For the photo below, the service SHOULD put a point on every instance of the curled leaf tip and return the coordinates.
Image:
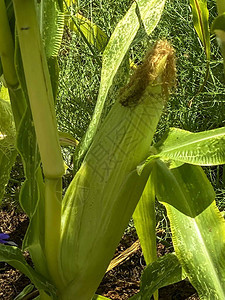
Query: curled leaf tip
(158, 68)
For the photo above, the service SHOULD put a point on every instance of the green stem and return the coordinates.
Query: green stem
(53, 196)
(39, 88)
(18, 104)
(42, 107)
(7, 48)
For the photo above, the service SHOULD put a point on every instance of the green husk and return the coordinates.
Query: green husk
(103, 195)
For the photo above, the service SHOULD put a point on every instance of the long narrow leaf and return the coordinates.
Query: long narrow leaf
(27, 290)
(7, 160)
(162, 272)
(99, 297)
(177, 187)
(200, 19)
(1, 69)
(218, 27)
(92, 33)
(145, 223)
(198, 236)
(51, 21)
(205, 148)
(201, 24)
(14, 257)
(8, 152)
(199, 245)
(31, 195)
(144, 220)
(202, 148)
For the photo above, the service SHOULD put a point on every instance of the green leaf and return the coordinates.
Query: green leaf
(1, 70)
(32, 193)
(4, 94)
(198, 236)
(113, 56)
(27, 146)
(144, 220)
(185, 188)
(28, 289)
(7, 160)
(204, 148)
(201, 23)
(7, 125)
(199, 245)
(14, 257)
(89, 30)
(162, 272)
(51, 20)
(145, 223)
(8, 152)
(99, 297)
(150, 20)
(66, 139)
(218, 27)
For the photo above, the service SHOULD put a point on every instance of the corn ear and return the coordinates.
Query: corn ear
(102, 196)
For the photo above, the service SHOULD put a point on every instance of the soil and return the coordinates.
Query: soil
(119, 283)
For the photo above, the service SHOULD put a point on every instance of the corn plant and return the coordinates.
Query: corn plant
(71, 238)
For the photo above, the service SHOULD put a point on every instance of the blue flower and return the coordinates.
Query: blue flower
(3, 238)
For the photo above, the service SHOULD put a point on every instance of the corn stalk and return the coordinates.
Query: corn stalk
(41, 101)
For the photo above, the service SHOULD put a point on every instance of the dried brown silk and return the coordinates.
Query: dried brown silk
(150, 72)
